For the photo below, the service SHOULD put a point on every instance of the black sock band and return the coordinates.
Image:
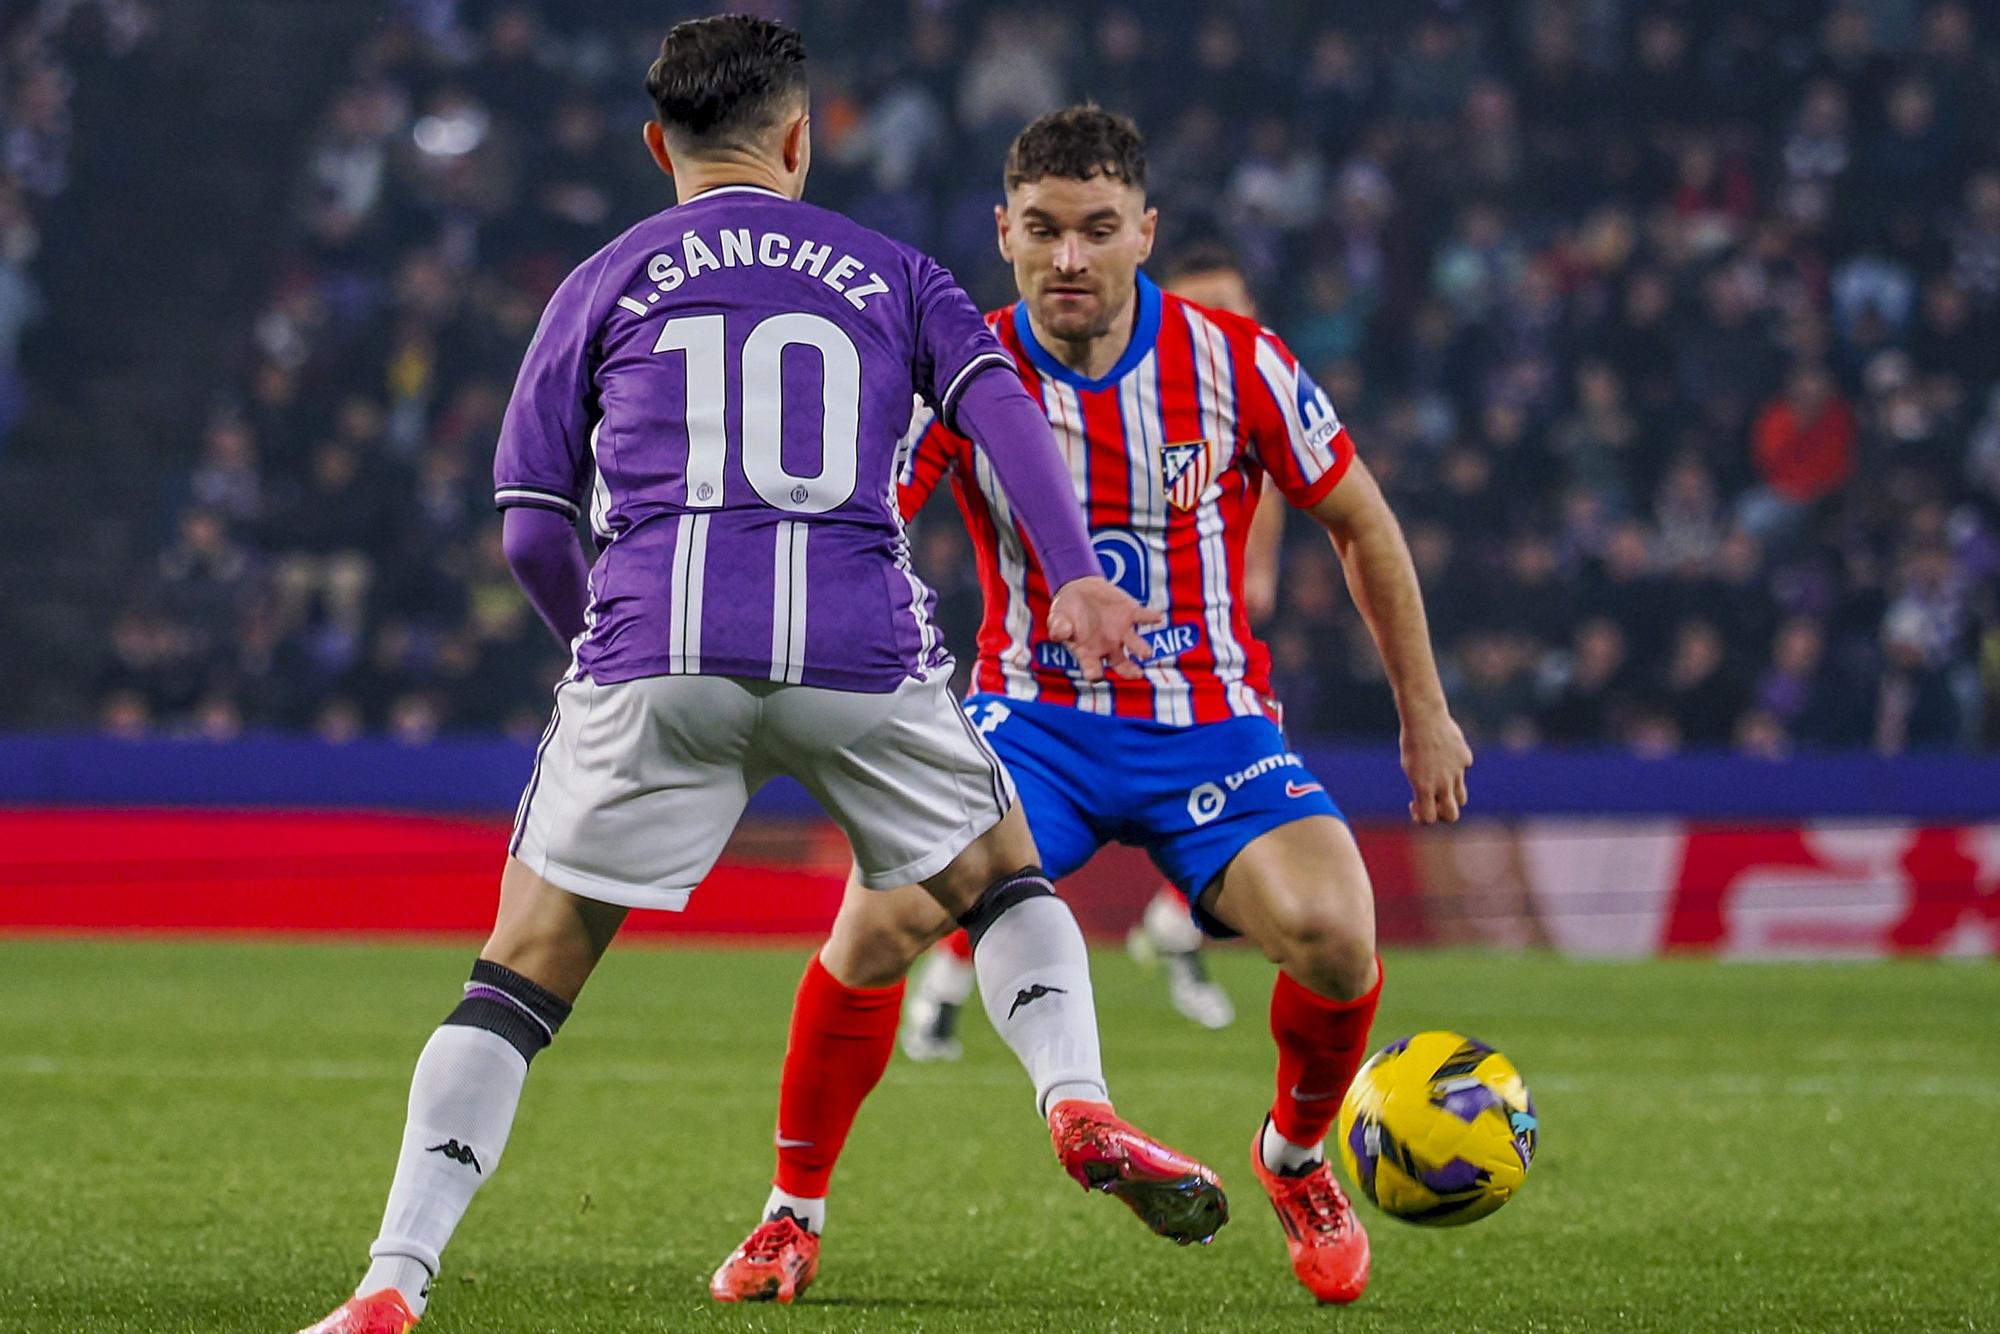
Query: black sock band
(1015, 887)
(501, 1001)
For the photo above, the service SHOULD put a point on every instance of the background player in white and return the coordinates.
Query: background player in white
(726, 387)
(1173, 418)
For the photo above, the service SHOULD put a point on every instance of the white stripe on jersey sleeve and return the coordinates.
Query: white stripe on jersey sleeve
(964, 377)
(534, 495)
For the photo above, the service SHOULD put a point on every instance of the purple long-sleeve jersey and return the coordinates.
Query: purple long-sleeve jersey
(725, 389)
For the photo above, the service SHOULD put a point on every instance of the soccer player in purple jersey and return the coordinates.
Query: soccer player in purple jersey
(724, 390)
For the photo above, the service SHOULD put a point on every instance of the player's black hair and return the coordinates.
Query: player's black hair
(1203, 256)
(721, 81)
(1076, 144)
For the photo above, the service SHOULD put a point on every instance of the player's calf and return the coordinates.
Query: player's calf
(1033, 972)
(463, 1097)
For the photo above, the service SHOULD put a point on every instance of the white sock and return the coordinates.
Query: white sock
(400, 1272)
(1281, 1155)
(462, 1100)
(945, 979)
(1034, 976)
(811, 1213)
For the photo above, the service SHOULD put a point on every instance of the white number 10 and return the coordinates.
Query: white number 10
(701, 338)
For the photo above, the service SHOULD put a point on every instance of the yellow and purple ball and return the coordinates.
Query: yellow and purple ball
(1438, 1129)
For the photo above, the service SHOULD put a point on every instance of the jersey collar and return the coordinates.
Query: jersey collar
(735, 189)
(1145, 332)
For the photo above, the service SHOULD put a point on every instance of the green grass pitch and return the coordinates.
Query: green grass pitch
(197, 1138)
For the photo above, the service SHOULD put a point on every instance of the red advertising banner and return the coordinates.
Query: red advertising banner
(1585, 887)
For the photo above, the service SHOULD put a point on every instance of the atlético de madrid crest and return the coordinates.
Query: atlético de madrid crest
(1184, 468)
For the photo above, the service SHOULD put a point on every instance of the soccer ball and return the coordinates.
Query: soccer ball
(1438, 1129)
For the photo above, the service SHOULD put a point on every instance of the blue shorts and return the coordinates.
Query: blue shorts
(1192, 797)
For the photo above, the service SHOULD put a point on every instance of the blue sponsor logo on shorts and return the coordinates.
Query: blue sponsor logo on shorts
(1167, 641)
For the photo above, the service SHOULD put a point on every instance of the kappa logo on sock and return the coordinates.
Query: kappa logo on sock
(458, 1153)
(1029, 995)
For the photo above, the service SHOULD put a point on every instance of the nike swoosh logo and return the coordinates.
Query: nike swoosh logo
(1304, 1097)
(1301, 789)
(784, 1143)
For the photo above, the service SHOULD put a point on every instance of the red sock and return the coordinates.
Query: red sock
(1321, 1043)
(840, 1044)
(959, 946)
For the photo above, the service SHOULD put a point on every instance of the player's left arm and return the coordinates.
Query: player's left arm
(1310, 458)
(542, 461)
(1382, 579)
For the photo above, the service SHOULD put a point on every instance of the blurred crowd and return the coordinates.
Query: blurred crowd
(43, 46)
(1671, 328)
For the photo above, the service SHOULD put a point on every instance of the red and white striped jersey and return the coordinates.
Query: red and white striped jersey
(1169, 452)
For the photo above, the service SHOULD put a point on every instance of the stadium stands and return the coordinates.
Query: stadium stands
(1686, 384)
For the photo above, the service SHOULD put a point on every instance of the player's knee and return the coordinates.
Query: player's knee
(1329, 951)
(877, 948)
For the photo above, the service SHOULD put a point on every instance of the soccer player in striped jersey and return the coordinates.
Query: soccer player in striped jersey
(1208, 274)
(1172, 418)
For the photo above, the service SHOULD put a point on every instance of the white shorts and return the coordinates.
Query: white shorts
(638, 784)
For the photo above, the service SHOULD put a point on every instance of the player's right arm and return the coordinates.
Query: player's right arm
(970, 378)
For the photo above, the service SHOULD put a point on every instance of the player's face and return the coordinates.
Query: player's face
(1076, 248)
(1218, 289)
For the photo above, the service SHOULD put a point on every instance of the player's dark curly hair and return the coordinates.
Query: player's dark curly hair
(721, 81)
(1203, 255)
(1076, 144)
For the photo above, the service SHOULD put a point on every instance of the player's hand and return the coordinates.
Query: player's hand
(1435, 758)
(1098, 622)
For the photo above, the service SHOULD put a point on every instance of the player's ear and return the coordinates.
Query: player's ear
(798, 144)
(656, 144)
(1149, 226)
(1000, 226)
